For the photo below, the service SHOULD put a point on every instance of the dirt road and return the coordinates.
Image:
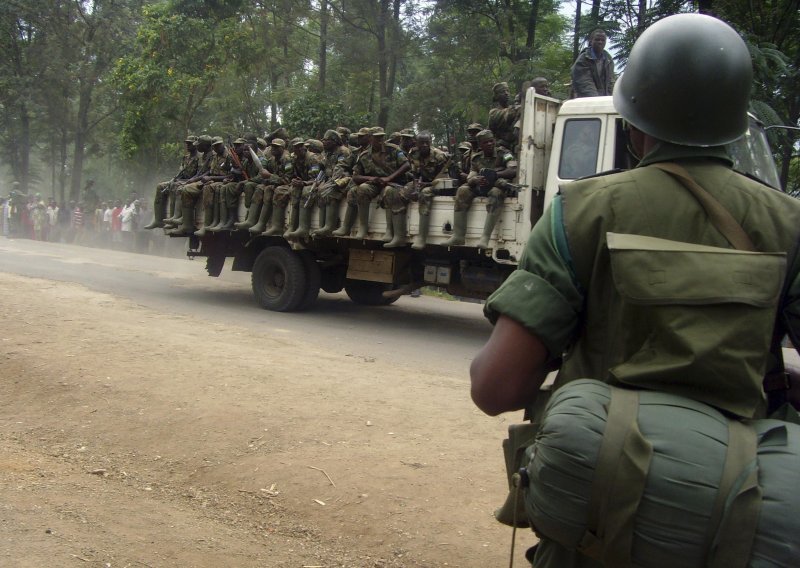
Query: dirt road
(133, 438)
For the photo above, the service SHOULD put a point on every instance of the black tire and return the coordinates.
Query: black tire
(313, 277)
(368, 293)
(279, 279)
(333, 279)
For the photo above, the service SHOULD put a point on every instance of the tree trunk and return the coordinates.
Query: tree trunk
(24, 148)
(81, 131)
(383, 63)
(576, 37)
(595, 14)
(533, 16)
(323, 43)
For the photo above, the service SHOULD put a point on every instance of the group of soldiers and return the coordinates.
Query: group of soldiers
(275, 172)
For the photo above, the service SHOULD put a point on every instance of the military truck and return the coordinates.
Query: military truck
(559, 142)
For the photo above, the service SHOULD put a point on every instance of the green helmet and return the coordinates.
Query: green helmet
(687, 81)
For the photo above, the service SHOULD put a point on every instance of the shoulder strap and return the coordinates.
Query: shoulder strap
(719, 216)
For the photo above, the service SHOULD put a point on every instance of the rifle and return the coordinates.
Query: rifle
(314, 187)
(236, 160)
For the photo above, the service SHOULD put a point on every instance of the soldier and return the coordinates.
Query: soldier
(593, 70)
(378, 166)
(278, 172)
(203, 162)
(503, 117)
(219, 174)
(230, 188)
(255, 186)
(188, 169)
(427, 164)
(459, 168)
(302, 191)
(395, 139)
(563, 307)
(338, 173)
(407, 140)
(491, 162)
(315, 146)
(193, 187)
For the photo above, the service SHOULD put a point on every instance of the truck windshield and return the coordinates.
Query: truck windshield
(579, 148)
(751, 155)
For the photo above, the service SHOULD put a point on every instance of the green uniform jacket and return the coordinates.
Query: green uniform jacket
(436, 165)
(380, 164)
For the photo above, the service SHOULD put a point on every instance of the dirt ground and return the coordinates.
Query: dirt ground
(131, 438)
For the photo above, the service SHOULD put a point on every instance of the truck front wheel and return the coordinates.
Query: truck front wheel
(279, 279)
(368, 293)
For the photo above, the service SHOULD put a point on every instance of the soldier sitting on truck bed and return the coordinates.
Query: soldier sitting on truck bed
(221, 166)
(491, 171)
(188, 169)
(279, 169)
(266, 178)
(427, 164)
(338, 172)
(228, 215)
(378, 166)
(216, 168)
(248, 184)
(503, 117)
(302, 191)
(204, 165)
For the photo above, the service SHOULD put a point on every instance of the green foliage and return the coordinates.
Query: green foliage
(310, 115)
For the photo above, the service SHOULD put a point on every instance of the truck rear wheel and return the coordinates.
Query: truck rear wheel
(368, 293)
(279, 279)
(313, 278)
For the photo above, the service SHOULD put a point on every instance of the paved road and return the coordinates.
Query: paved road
(425, 333)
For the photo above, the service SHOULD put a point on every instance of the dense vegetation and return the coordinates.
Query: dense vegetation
(107, 89)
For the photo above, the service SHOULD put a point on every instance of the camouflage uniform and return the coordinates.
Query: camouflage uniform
(500, 159)
(221, 166)
(503, 118)
(434, 166)
(337, 165)
(383, 162)
(166, 189)
(188, 192)
(277, 188)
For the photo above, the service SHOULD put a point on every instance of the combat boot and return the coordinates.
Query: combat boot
(175, 218)
(389, 234)
(331, 212)
(276, 225)
(400, 225)
(187, 227)
(323, 210)
(294, 217)
(223, 217)
(252, 215)
(488, 227)
(459, 229)
(422, 237)
(347, 222)
(215, 219)
(258, 228)
(158, 215)
(304, 226)
(208, 214)
(363, 220)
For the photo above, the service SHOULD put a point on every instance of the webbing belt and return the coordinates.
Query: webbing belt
(619, 482)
